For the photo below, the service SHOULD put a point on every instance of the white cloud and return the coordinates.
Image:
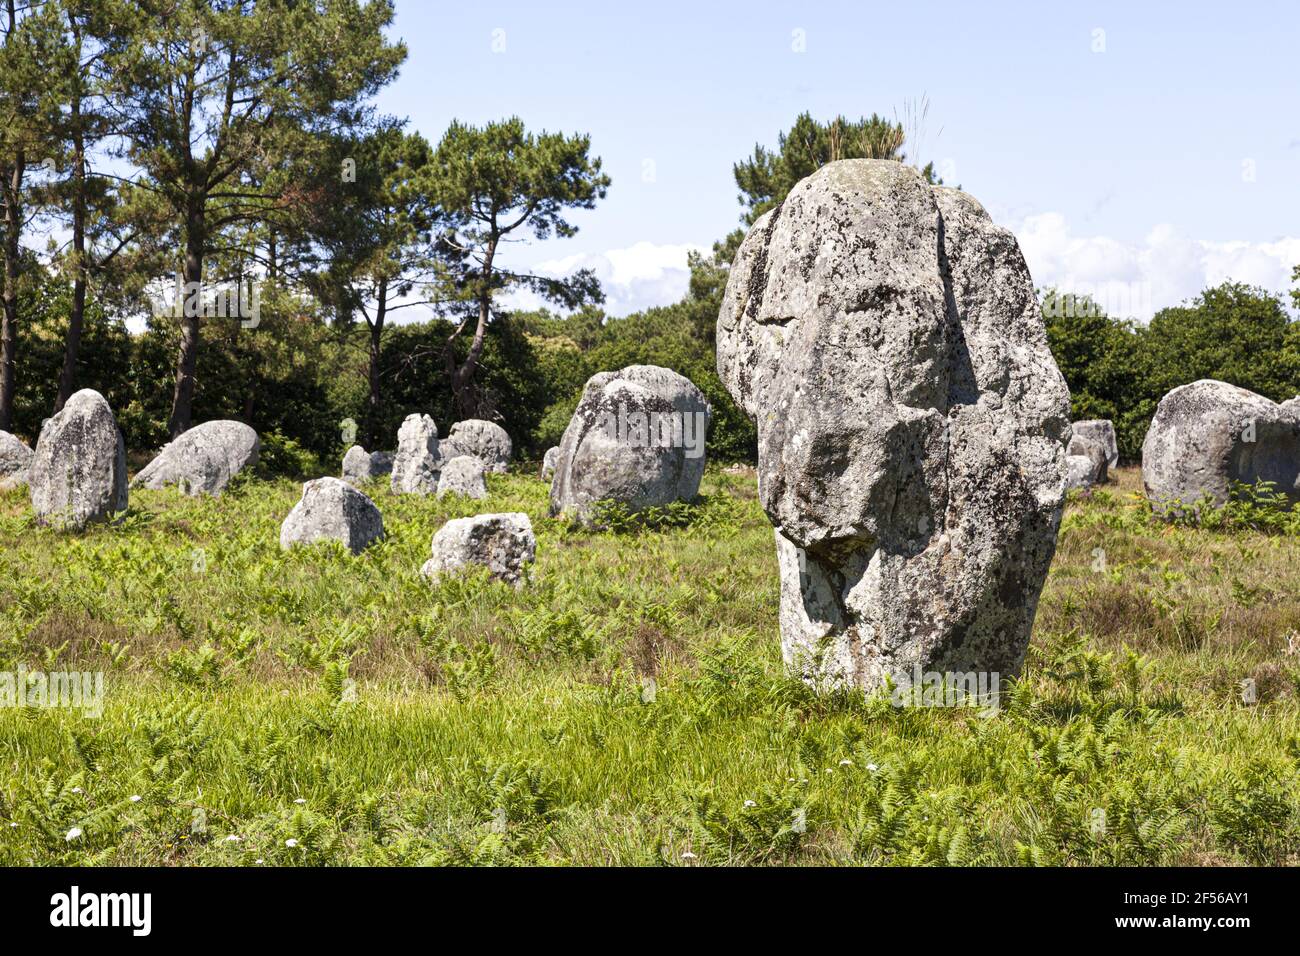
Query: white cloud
(1166, 268)
(635, 278)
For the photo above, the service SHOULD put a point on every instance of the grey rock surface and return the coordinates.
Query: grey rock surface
(886, 337)
(636, 438)
(1095, 452)
(78, 470)
(1209, 434)
(549, 461)
(202, 460)
(464, 475)
(502, 543)
(419, 457)
(332, 510)
(1102, 431)
(15, 458)
(486, 441)
(360, 465)
(1080, 472)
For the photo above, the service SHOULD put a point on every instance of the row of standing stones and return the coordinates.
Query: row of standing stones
(914, 442)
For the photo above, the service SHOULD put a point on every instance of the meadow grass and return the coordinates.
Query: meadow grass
(628, 705)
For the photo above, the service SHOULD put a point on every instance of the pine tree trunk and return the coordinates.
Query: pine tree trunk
(12, 251)
(187, 360)
(68, 378)
(376, 336)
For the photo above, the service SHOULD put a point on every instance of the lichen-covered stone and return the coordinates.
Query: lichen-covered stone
(886, 337)
(549, 461)
(486, 441)
(464, 475)
(360, 465)
(636, 439)
(419, 458)
(78, 470)
(502, 543)
(1102, 431)
(1207, 435)
(1080, 472)
(15, 459)
(332, 510)
(1095, 452)
(202, 460)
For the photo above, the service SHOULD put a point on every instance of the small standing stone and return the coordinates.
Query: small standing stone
(203, 460)
(636, 438)
(78, 471)
(332, 510)
(1095, 452)
(1101, 430)
(415, 469)
(486, 441)
(1208, 435)
(1080, 472)
(361, 465)
(503, 543)
(15, 458)
(463, 475)
(549, 461)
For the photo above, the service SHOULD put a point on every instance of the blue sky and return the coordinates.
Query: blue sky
(1139, 151)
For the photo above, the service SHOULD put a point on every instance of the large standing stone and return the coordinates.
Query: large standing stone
(1209, 434)
(1102, 431)
(78, 471)
(636, 438)
(550, 460)
(332, 510)
(887, 339)
(463, 475)
(418, 460)
(15, 459)
(360, 465)
(203, 460)
(1094, 452)
(502, 543)
(486, 441)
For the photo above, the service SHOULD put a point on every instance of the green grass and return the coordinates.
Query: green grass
(627, 706)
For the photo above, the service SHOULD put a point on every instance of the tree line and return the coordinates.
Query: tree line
(228, 143)
(195, 145)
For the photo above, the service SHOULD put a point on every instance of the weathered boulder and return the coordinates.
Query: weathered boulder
(1095, 452)
(549, 461)
(486, 441)
(503, 543)
(332, 510)
(78, 470)
(636, 438)
(1102, 431)
(418, 459)
(202, 460)
(1080, 472)
(15, 458)
(360, 465)
(886, 337)
(463, 475)
(1209, 434)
